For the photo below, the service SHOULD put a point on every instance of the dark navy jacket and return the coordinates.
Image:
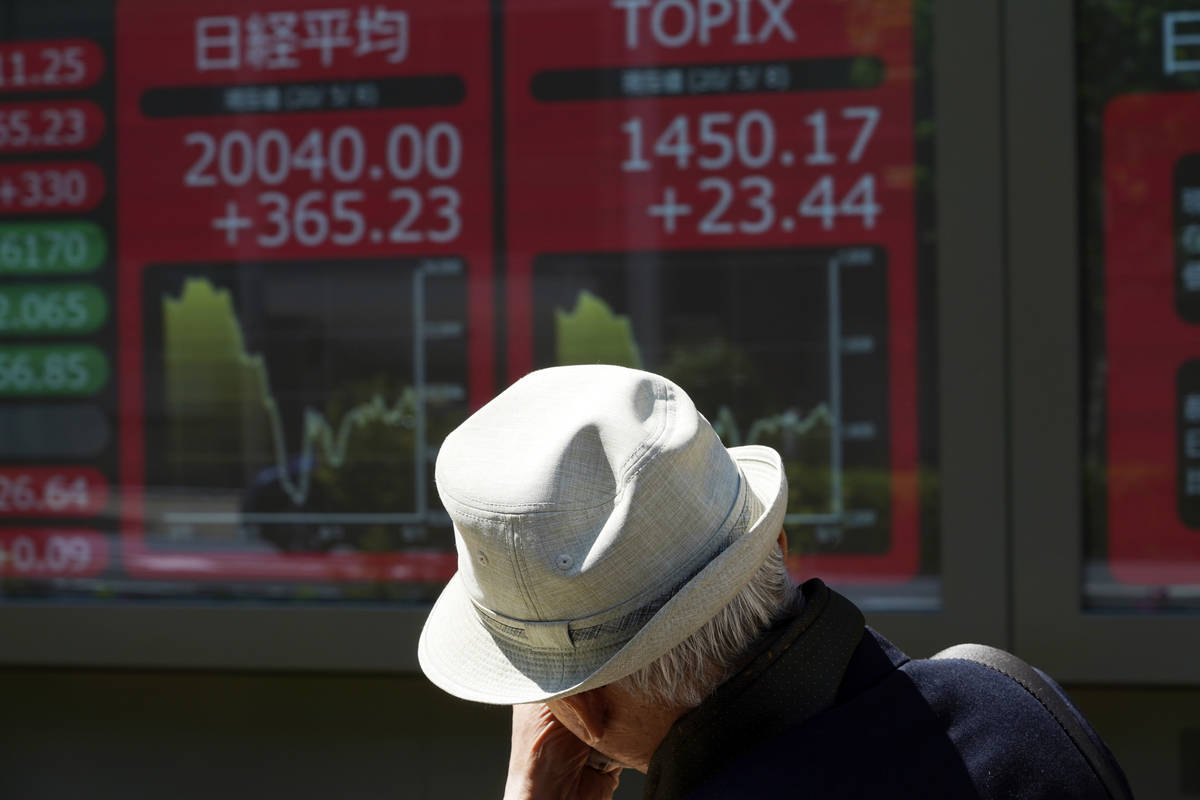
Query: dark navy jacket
(827, 708)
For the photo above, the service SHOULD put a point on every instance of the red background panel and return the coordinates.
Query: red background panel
(51, 65)
(53, 491)
(52, 553)
(53, 125)
(1146, 341)
(162, 220)
(50, 187)
(567, 193)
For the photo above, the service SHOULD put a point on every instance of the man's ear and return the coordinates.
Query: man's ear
(783, 541)
(587, 712)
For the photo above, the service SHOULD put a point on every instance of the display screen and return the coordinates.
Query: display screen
(1142, 276)
(258, 259)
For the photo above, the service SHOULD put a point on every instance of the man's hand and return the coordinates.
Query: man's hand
(549, 763)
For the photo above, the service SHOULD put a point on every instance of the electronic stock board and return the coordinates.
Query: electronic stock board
(1141, 149)
(257, 259)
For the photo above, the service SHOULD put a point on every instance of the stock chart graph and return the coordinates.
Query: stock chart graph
(785, 348)
(298, 406)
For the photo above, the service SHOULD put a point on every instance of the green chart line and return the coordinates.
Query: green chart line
(209, 367)
(788, 421)
(202, 328)
(592, 332)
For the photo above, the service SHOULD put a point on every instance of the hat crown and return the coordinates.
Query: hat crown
(580, 493)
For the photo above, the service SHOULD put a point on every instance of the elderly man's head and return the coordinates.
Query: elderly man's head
(605, 538)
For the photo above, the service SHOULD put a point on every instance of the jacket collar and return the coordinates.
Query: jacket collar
(792, 673)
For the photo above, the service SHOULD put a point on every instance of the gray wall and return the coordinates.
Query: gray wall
(129, 735)
(133, 735)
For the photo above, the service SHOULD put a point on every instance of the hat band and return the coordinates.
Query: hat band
(604, 630)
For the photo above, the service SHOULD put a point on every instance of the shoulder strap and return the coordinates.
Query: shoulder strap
(1032, 681)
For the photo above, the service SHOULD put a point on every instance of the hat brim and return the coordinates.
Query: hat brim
(461, 655)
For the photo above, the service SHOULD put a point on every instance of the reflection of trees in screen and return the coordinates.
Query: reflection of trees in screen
(287, 401)
(802, 436)
(746, 335)
(722, 370)
(591, 333)
(713, 370)
(221, 409)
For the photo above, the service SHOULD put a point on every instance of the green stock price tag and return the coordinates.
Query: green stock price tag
(52, 370)
(51, 248)
(58, 309)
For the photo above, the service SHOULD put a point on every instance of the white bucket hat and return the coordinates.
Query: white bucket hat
(599, 522)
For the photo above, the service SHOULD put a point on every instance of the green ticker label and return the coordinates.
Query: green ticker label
(51, 248)
(58, 370)
(51, 309)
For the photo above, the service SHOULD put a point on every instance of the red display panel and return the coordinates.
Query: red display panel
(50, 65)
(305, 276)
(58, 125)
(723, 192)
(1152, 285)
(50, 187)
(50, 553)
(52, 492)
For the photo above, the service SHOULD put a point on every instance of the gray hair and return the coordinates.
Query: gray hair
(689, 672)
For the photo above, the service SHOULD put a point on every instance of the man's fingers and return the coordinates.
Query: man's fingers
(548, 761)
(596, 785)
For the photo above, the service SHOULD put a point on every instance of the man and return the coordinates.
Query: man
(621, 583)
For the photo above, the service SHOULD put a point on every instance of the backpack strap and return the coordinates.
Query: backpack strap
(1068, 719)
